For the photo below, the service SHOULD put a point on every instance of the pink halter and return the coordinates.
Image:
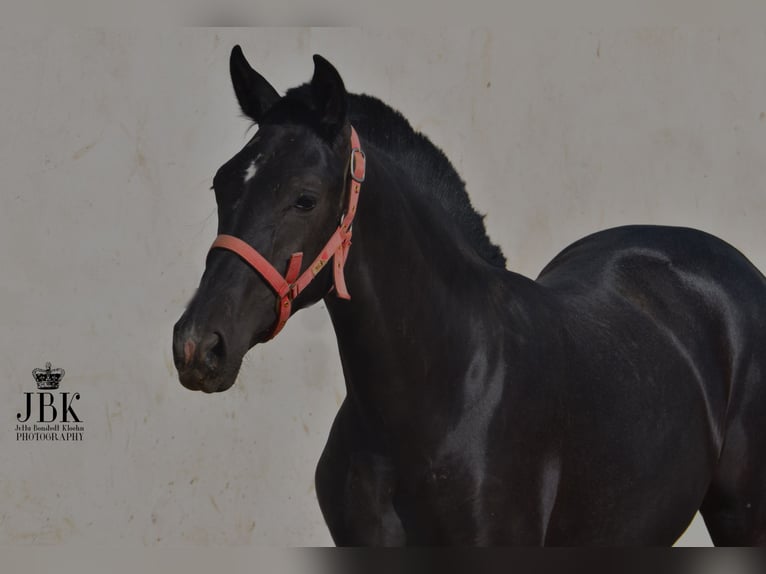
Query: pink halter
(291, 285)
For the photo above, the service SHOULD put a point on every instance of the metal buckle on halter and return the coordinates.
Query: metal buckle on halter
(352, 168)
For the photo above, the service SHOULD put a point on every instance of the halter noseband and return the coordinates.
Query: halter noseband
(291, 285)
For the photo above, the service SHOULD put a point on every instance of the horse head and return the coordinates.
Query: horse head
(279, 198)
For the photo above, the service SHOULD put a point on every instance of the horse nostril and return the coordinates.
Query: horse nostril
(180, 347)
(212, 350)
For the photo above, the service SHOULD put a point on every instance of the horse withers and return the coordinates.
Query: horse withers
(603, 403)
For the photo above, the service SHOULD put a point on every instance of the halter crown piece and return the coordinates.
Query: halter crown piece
(291, 285)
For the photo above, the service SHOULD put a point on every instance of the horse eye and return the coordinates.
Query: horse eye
(305, 203)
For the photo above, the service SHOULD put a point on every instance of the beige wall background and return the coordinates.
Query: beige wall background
(109, 142)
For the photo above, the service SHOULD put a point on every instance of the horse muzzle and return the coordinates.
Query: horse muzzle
(200, 358)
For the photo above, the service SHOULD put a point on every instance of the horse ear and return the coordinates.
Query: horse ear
(254, 94)
(329, 96)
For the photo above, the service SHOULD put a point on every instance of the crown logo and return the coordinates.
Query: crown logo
(48, 378)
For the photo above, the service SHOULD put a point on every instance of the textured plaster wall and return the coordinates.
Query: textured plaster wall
(108, 144)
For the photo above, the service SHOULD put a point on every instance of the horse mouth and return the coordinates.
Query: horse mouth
(195, 382)
(201, 377)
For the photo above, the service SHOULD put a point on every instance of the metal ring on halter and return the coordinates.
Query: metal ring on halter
(352, 167)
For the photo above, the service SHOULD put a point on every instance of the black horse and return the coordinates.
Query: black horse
(604, 403)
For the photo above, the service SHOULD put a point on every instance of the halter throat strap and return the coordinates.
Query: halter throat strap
(289, 286)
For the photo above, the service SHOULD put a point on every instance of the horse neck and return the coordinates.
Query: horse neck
(407, 253)
(417, 288)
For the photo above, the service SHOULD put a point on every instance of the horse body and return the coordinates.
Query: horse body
(604, 403)
(553, 409)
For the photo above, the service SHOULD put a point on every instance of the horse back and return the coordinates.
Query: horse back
(661, 328)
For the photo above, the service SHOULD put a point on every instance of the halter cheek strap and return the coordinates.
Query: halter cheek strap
(289, 286)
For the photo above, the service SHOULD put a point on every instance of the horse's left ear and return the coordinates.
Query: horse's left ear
(254, 94)
(329, 96)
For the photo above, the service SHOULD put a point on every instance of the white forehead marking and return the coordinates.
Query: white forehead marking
(252, 168)
(250, 172)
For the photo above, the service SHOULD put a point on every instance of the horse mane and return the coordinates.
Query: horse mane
(433, 173)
